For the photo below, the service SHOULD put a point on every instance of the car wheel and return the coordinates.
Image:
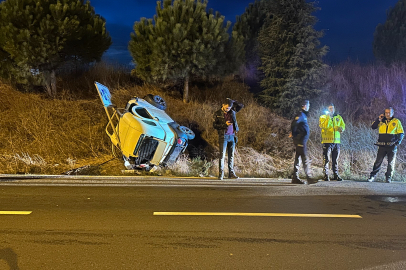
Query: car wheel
(188, 132)
(156, 101)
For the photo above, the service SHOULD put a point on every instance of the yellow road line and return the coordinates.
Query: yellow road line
(15, 212)
(252, 214)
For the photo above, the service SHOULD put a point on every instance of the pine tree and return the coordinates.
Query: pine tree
(390, 38)
(41, 35)
(183, 40)
(291, 56)
(249, 25)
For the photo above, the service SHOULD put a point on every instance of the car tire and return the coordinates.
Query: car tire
(188, 132)
(156, 101)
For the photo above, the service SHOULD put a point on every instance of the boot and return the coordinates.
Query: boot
(337, 177)
(232, 175)
(298, 181)
(388, 180)
(221, 175)
(326, 177)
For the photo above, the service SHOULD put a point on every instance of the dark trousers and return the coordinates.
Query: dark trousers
(382, 152)
(332, 149)
(301, 154)
(226, 143)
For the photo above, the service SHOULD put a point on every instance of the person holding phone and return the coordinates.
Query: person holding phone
(225, 122)
(390, 136)
(332, 125)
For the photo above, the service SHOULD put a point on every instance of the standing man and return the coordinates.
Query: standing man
(332, 125)
(390, 136)
(300, 134)
(225, 122)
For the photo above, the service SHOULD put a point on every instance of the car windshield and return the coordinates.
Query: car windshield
(142, 112)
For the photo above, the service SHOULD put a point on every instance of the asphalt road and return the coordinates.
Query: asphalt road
(83, 225)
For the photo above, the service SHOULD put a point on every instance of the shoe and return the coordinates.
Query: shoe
(311, 181)
(297, 181)
(326, 177)
(233, 176)
(388, 180)
(371, 179)
(337, 178)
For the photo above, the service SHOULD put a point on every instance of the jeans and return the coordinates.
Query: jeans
(332, 149)
(301, 153)
(226, 142)
(382, 152)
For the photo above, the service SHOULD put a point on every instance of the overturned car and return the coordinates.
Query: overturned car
(142, 133)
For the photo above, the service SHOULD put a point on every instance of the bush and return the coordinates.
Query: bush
(361, 93)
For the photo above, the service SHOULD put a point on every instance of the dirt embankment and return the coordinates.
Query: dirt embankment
(52, 136)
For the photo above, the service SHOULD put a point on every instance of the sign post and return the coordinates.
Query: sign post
(105, 97)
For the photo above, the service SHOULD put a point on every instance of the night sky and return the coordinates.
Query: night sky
(349, 25)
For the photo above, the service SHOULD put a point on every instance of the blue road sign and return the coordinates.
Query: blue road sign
(104, 93)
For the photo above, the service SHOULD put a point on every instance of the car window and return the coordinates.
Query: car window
(142, 112)
(160, 114)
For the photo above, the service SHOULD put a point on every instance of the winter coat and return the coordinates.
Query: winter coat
(300, 129)
(390, 131)
(330, 128)
(219, 122)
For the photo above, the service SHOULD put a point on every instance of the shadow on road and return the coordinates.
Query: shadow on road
(10, 257)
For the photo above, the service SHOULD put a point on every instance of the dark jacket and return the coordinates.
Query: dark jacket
(219, 122)
(300, 128)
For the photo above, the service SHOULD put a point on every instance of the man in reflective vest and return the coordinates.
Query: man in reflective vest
(390, 136)
(332, 125)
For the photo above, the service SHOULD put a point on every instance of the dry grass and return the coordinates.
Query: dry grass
(39, 135)
(67, 133)
(54, 130)
(251, 163)
(55, 136)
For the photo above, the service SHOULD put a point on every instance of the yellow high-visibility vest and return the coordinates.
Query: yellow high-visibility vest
(330, 128)
(393, 126)
(389, 130)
